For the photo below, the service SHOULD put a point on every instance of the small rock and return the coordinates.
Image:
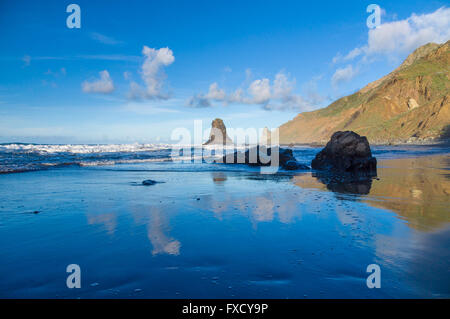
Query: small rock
(150, 182)
(292, 166)
(412, 104)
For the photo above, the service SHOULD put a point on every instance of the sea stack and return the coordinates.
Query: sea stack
(266, 137)
(346, 152)
(218, 134)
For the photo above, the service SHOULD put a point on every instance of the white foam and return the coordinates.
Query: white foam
(101, 148)
(84, 148)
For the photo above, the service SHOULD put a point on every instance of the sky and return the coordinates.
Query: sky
(136, 70)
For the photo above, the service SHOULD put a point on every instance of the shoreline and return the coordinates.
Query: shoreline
(442, 144)
(303, 152)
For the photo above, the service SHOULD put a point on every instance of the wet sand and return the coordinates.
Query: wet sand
(226, 234)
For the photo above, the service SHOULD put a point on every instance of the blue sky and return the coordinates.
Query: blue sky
(136, 70)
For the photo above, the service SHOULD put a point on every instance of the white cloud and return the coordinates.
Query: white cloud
(104, 39)
(105, 57)
(404, 36)
(260, 91)
(136, 91)
(343, 75)
(103, 85)
(282, 87)
(398, 38)
(289, 103)
(26, 60)
(248, 75)
(199, 101)
(215, 93)
(152, 74)
(353, 54)
(395, 40)
(236, 96)
(56, 73)
(311, 91)
(278, 96)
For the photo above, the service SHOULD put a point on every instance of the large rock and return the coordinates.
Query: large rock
(218, 133)
(346, 152)
(261, 156)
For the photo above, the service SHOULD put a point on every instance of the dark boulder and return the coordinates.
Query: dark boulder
(262, 156)
(150, 182)
(346, 152)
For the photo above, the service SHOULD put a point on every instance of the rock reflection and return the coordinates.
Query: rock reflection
(219, 177)
(264, 207)
(416, 189)
(360, 185)
(268, 177)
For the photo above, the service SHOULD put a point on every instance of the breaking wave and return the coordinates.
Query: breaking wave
(16, 157)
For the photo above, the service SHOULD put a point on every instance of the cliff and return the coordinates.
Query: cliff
(409, 105)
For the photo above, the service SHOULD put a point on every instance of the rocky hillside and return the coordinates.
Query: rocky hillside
(409, 105)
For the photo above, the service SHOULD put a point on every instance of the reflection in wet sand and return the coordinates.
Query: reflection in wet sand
(106, 217)
(227, 234)
(265, 207)
(108, 220)
(348, 185)
(158, 225)
(417, 189)
(156, 222)
(162, 243)
(219, 177)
